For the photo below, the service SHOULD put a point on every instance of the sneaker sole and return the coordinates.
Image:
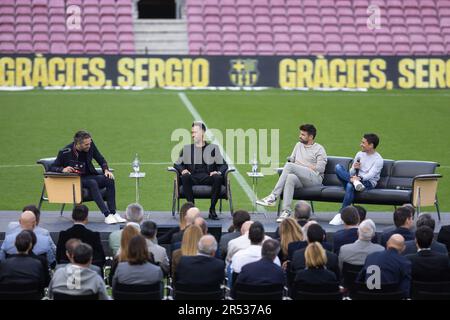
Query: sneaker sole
(265, 204)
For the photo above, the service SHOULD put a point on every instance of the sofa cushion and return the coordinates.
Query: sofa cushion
(330, 178)
(404, 171)
(385, 174)
(383, 196)
(333, 193)
(310, 193)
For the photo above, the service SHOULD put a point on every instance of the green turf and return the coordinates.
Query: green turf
(411, 124)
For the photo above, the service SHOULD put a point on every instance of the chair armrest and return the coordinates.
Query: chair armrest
(230, 169)
(433, 176)
(172, 169)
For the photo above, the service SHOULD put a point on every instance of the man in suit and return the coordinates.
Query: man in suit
(44, 243)
(425, 219)
(79, 231)
(357, 252)
(403, 221)
(203, 269)
(315, 233)
(394, 268)
(444, 236)
(349, 234)
(265, 270)
(77, 157)
(427, 265)
(149, 230)
(201, 163)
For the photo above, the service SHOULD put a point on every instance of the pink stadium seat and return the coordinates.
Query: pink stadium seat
(248, 48)
(24, 47)
(41, 47)
(402, 49)
(110, 48)
(231, 48)
(333, 48)
(299, 48)
(282, 48)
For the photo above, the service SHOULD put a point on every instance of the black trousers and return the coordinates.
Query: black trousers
(216, 181)
(96, 182)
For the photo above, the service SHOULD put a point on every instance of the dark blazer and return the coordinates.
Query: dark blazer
(43, 260)
(427, 265)
(344, 236)
(22, 268)
(444, 236)
(394, 268)
(79, 231)
(406, 233)
(411, 248)
(166, 238)
(298, 262)
(316, 276)
(66, 155)
(297, 245)
(200, 270)
(261, 272)
(177, 237)
(214, 160)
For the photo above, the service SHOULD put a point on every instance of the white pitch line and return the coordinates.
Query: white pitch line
(9, 166)
(242, 182)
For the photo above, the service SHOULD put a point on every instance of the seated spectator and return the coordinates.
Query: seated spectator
(200, 222)
(425, 219)
(79, 231)
(349, 234)
(315, 233)
(428, 265)
(71, 244)
(149, 230)
(189, 246)
(44, 244)
(403, 221)
(316, 271)
(239, 217)
(362, 212)
(394, 268)
(87, 282)
(137, 269)
(191, 215)
(265, 270)
(290, 231)
(302, 213)
(253, 252)
(297, 245)
(41, 258)
(134, 214)
(357, 252)
(203, 268)
(21, 267)
(167, 237)
(444, 237)
(14, 226)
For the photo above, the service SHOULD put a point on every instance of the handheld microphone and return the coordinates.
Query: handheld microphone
(358, 160)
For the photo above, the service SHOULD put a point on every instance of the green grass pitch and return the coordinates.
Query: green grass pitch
(35, 124)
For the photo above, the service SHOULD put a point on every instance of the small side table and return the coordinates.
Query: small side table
(255, 176)
(137, 176)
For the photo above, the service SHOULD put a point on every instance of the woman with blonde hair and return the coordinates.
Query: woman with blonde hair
(290, 231)
(189, 246)
(316, 271)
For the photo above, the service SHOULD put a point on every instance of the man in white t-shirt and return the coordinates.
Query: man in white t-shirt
(364, 173)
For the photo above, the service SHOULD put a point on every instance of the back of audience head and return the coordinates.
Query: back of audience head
(425, 219)
(70, 245)
(315, 256)
(239, 217)
(290, 231)
(137, 251)
(82, 255)
(366, 230)
(403, 217)
(191, 237)
(362, 212)
(302, 210)
(424, 237)
(397, 242)
(191, 215)
(149, 229)
(80, 213)
(350, 216)
(127, 234)
(24, 242)
(199, 221)
(134, 213)
(183, 210)
(410, 207)
(256, 233)
(35, 210)
(315, 233)
(270, 249)
(246, 226)
(207, 245)
(27, 220)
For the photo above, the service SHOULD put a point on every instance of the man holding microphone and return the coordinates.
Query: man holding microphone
(364, 173)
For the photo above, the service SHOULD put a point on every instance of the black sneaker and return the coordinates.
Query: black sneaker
(213, 215)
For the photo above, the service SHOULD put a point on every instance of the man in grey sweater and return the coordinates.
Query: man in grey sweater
(305, 168)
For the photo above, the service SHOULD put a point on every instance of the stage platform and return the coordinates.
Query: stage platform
(54, 222)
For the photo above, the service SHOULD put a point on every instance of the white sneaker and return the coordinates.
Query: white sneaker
(284, 214)
(268, 201)
(110, 219)
(336, 221)
(118, 218)
(358, 186)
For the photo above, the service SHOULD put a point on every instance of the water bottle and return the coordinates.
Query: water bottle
(254, 165)
(136, 164)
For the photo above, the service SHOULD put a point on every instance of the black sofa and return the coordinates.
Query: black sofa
(395, 187)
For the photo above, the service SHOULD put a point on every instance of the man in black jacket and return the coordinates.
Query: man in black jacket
(77, 157)
(79, 231)
(201, 163)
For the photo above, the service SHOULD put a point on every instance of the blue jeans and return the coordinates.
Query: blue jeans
(344, 176)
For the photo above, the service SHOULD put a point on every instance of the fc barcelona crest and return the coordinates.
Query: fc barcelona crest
(244, 72)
